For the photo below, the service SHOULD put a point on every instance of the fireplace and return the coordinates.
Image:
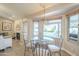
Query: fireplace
(18, 36)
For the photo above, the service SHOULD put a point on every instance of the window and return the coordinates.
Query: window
(73, 27)
(52, 29)
(35, 30)
(25, 30)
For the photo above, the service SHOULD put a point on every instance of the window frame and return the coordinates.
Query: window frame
(58, 27)
(34, 30)
(27, 31)
(73, 39)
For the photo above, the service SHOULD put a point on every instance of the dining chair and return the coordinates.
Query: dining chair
(55, 47)
(27, 46)
(39, 48)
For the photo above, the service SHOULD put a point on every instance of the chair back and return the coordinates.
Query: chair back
(58, 42)
(28, 43)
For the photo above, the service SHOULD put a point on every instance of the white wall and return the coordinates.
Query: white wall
(20, 24)
(10, 32)
(70, 46)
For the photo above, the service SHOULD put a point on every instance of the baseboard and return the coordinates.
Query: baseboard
(72, 54)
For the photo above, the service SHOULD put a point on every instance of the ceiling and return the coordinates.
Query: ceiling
(15, 11)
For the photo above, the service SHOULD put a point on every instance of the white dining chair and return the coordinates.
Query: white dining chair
(28, 44)
(55, 47)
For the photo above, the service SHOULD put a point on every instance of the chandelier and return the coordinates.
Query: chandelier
(44, 10)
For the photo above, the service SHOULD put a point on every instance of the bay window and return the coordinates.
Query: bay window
(48, 30)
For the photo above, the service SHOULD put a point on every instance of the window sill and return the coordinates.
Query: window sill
(74, 39)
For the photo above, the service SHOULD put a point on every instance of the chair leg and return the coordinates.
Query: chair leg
(33, 50)
(33, 53)
(54, 54)
(48, 54)
(60, 53)
(28, 49)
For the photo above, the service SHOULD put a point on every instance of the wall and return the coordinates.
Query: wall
(9, 32)
(18, 27)
(70, 46)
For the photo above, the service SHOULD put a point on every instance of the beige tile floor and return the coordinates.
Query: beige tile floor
(18, 50)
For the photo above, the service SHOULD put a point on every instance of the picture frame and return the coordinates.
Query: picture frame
(6, 26)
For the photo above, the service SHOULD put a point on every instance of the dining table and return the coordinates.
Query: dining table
(40, 47)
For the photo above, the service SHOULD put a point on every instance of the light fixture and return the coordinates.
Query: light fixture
(43, 6)
(12, 17)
